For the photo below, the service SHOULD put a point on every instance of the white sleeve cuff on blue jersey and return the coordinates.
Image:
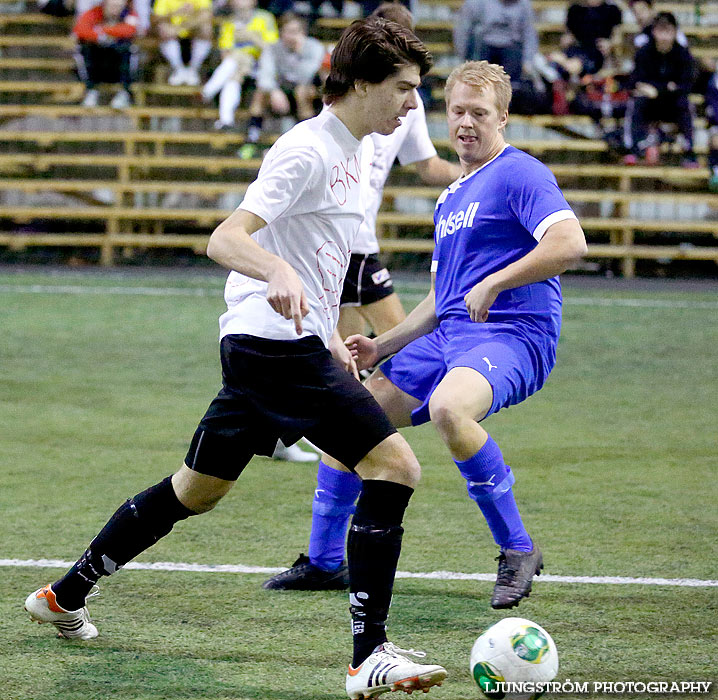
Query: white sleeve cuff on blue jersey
(550, 220)
(434, 266)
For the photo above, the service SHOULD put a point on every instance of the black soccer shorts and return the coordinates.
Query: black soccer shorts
(284, 389)
(366, 282)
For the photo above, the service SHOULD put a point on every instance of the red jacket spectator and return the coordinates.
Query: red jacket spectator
(92, 27)
(105, 53)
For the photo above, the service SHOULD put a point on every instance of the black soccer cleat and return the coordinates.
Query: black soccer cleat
(513, 581)
(304, 576)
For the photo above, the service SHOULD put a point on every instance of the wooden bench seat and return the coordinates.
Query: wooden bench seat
(391, 192)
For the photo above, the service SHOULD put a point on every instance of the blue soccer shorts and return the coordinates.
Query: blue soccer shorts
(514, 358)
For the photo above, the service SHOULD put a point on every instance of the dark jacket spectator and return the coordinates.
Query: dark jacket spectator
(590, 25)
(105, 53)
(661, 80)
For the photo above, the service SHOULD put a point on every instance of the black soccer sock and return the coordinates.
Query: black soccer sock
(373, 549)
(135, 526)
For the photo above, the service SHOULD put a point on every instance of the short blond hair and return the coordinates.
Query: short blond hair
(482, 74)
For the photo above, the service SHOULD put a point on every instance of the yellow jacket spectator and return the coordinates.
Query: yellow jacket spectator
(184, 19)
(241, 40)
(236, 34)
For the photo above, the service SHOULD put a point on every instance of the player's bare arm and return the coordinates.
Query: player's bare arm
(437, 171)
(562, 246)
(420, 321)
(232, 246)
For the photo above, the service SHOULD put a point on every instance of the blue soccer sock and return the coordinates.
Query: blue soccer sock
(489, 482)
(332, 507)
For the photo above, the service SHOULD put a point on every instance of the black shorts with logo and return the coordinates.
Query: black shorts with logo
(367, 281)
(286, 389)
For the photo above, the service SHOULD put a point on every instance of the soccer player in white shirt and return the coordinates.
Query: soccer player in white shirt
(285, 371)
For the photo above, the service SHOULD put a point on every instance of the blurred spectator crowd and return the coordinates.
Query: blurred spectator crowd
(635, 86)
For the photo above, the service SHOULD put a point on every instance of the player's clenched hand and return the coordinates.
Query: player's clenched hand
(363, 350)
(285, 294)
(479, 300)
(341, 354)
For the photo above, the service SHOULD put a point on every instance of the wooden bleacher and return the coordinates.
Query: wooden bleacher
(129, 180)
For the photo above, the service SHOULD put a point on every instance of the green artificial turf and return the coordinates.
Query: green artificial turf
(615, 462)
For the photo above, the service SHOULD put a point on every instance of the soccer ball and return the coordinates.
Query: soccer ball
(517, 650)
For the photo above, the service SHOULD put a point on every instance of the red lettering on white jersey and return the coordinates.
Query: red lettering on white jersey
(332, 263)
(342, 178)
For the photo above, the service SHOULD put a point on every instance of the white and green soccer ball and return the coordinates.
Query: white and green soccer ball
(513, 650)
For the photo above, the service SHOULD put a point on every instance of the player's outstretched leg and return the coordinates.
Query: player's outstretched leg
(462, 398)
(136, 525)
(325, 568)
(489, 480)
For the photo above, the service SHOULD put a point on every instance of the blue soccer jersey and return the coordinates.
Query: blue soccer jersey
(487, 220)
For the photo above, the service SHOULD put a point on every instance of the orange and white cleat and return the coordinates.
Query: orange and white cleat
(388, 669)
(71, 624)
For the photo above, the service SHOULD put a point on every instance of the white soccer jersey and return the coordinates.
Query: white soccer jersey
(409, 142)
(308, 192)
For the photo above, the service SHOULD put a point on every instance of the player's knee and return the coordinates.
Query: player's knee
(405, 470)
(204, 503)
(444, 413)
(198, 492)
(199, 503)
(392, 460)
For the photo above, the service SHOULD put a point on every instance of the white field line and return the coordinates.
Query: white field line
(431, 575)
(644, 303)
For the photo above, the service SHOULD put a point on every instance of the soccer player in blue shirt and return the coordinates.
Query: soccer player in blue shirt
(485, 336)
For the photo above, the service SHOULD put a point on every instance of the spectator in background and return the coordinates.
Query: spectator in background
(605, 95)
(661, 80)
(315, 9)
(181, 20)
(712, 115)
(503, 32)
(66, 8)
(242, 40)
(583, 48)
(56, 8)
(105, 53)
(498, 31)
(287, 78)
(589, 34)
(644, 14)
(369, 7)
